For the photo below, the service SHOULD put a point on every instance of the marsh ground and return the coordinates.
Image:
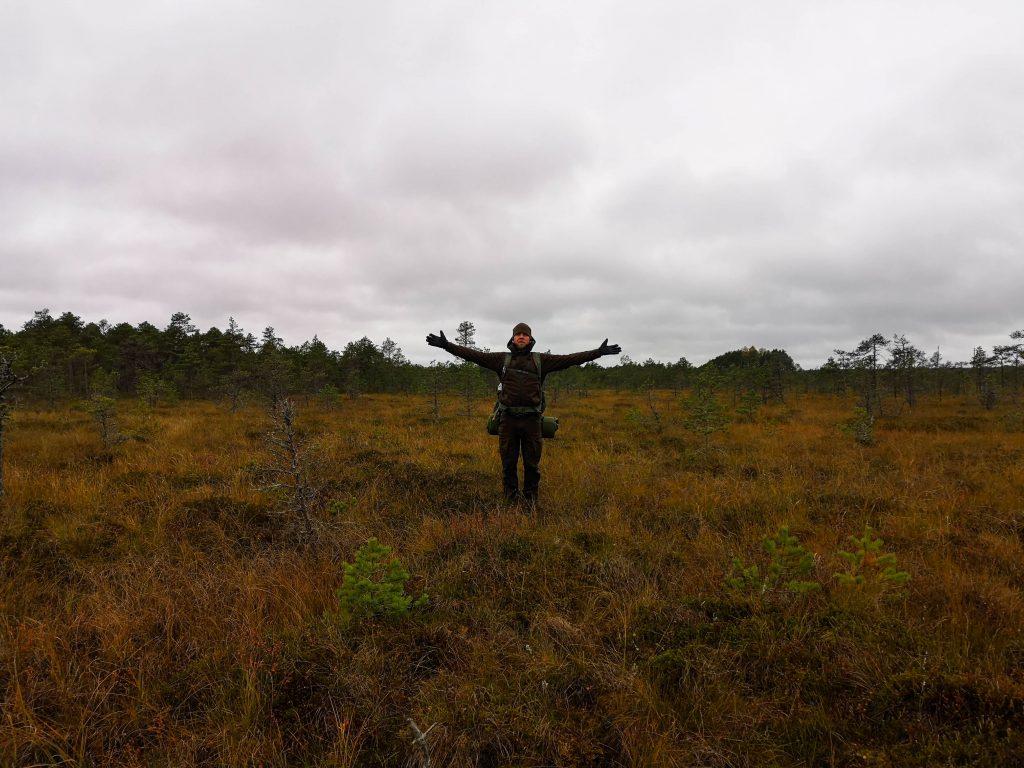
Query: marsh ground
(155, 608)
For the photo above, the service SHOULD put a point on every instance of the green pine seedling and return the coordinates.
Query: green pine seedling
(328, 396)
(704, 416)
(636, 418)
(869, 566)
(749, 404)
(861, 426)
(374, 586)
(104, 412)
(747, 579)
(789, 566)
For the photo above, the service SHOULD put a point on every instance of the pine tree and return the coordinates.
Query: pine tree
(233, 376)
(274, 372)
(868, 352)
(465, 335)
(185, 355)
(981, 362)
(1018, 360)
(1010, 356)
(904, 360)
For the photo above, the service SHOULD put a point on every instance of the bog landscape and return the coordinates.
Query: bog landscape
(218, 550)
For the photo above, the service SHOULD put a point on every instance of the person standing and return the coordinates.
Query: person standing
(520, 397)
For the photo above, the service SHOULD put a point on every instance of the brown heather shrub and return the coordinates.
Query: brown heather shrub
(153, 612)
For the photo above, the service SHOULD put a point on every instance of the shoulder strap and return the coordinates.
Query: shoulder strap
(504, 367)
(536, 362)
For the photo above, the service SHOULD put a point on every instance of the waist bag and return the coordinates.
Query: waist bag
(548, 424)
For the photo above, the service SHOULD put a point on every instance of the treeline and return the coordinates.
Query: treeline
(881, 366)
(65, 357)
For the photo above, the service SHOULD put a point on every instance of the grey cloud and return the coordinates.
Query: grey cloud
(445, 150)
(32, 166)
(260, 191)
(672, 203)
(683, 179)
(968, 123)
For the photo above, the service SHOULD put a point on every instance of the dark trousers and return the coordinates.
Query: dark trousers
(520, 434)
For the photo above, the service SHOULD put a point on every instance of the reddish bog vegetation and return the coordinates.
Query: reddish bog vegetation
(179, 596)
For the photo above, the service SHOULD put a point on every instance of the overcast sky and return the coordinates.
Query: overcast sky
(682, 177)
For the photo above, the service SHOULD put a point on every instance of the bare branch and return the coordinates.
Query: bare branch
(421, 740)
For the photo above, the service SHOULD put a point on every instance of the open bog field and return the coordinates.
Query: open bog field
(158, 607)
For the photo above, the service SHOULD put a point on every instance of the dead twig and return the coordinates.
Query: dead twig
(421, 740)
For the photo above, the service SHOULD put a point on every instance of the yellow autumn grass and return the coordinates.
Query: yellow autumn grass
(156, 609)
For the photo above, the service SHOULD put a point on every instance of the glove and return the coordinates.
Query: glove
(609, 349)
(437, 341)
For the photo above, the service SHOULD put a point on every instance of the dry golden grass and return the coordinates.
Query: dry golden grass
(154, 609)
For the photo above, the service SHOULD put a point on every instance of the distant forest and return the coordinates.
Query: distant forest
(65, 357)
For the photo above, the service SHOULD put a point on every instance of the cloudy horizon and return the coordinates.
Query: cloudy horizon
(683, 178)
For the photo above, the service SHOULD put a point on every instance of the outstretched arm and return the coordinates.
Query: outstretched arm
(490, 360)
(552, 363)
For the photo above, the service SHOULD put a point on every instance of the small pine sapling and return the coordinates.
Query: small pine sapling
(746, 409)
(328, 395)
(374, 587)
(704, 414)
(787, 571)
(635, 418)
(655, 416)
(869, 567)
(643, 421)
(861, 426)
(745, 579)
(435, 389)
(1013, 421)
(988, 395)
(146, 389)
(790, 564)
(103, 408)
(152, 390)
